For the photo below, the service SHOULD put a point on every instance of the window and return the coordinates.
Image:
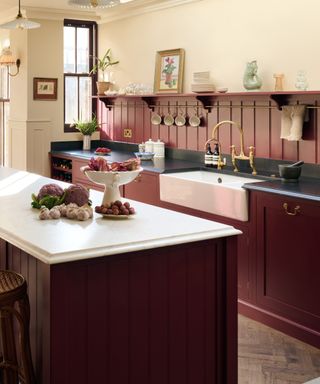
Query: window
(4, 114)
(4, 83)
(80, 39)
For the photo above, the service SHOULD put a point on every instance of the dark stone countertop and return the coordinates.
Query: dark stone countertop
(157, 165)
(308, 189)
(179, 161)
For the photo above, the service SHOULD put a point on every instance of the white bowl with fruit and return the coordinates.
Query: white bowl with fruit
(102, 151)
(116, 210)
(112, 176)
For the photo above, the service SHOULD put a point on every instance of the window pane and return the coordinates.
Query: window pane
(6, 133)
(71, 99)
(82, 50)
(85, 98)
(4, 78)
(69, 37)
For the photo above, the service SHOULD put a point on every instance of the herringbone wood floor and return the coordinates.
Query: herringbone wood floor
(266, 356)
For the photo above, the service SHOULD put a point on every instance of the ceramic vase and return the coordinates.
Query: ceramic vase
(86, 142)
(102, 87)
(278, 81)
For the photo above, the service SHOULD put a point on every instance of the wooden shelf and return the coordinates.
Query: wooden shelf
(207, 99)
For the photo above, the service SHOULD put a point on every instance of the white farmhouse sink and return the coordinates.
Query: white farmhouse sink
(207, 191)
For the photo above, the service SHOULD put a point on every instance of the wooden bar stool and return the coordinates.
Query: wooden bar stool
(16, 363)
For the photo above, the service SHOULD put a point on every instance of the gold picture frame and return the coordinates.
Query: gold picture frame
(169, 71)
(45, 88)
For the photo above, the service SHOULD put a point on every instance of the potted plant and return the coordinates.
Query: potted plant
(102, 65)
(87, 128)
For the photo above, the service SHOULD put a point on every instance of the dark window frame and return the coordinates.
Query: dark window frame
(93, 51)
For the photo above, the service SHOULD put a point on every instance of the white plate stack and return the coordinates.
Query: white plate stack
(201, 82)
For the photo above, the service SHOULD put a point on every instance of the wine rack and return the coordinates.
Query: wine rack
(61, 169)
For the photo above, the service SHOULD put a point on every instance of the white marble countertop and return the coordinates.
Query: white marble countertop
(64, 240)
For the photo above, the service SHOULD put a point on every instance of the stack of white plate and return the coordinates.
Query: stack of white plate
(202, 88)
(201, 82)
(201, 77)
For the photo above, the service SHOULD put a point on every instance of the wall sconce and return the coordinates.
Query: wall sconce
(7, 59)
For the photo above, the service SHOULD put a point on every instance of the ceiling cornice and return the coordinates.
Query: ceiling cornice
(136, 9)
(59, 14)
(101, 16)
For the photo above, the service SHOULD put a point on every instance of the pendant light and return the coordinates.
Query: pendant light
(94, 3)
(20, 22)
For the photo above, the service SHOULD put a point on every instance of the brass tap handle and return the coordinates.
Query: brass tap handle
(233, 158)
(251, 159)
(220, 163)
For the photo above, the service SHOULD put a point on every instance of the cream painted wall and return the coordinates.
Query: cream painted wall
(221, 36)
(217, 35)
(35, 123)
(4, 38)
(45, 59)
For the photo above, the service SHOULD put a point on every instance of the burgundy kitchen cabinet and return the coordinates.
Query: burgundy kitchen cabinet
(79, 177)
(288, 265)
(144, 188)
(246, 276)
(158, 316)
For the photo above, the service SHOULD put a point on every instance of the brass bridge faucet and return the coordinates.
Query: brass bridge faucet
(234, 155)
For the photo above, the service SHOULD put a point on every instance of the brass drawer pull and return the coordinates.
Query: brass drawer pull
(138, 179)
(295, 210)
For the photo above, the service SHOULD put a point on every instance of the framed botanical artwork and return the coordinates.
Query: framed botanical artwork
(169, 71)
(44, 88)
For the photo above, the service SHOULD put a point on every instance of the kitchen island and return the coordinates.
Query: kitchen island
(150, 299)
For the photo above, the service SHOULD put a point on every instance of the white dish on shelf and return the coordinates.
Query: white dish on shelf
(222, 90)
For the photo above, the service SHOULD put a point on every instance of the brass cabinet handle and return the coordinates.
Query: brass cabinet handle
(295, 210)
(138, 179)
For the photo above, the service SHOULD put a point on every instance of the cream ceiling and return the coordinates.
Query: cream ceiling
(54, 8)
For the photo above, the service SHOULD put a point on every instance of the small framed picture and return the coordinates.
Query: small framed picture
(169, 71)
(44, 89)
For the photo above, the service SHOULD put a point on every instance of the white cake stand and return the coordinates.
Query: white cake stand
(111, 182)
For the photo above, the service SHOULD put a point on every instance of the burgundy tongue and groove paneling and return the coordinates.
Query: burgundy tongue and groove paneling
(261, 125)
(159, 316)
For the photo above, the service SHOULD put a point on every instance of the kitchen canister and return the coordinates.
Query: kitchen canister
(142, 147)
(158, 149)
(149, 145)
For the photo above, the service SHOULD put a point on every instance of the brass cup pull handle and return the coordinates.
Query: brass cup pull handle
(296, 209)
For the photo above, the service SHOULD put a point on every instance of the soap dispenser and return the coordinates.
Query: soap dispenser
(208, 157)
(215, 156)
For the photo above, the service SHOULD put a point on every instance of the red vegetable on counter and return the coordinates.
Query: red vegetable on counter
(100, 164)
